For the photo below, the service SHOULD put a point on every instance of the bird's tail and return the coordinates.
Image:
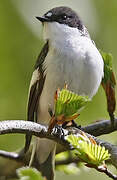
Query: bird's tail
(33, 152)
(43, 154)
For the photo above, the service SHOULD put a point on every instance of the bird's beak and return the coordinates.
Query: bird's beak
(43, 19)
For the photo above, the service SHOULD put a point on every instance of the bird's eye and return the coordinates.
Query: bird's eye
(64, 17)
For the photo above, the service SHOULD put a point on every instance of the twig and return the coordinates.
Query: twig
(101, 127)
(103, 169)
(107, 172)
(9, 155)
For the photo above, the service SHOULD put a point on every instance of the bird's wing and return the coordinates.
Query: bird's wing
(36, 87)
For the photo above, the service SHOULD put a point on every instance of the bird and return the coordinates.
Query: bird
(68, 56)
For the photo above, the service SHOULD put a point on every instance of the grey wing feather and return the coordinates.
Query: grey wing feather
(35, 92)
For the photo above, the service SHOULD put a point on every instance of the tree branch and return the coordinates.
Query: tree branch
(24, 127)
(32, 128)
(21, 126)
(101, 127)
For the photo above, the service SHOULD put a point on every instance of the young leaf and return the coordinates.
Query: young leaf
(68, 103)
(108, 83)
(107, 58)
(87, 151)
(26, 173)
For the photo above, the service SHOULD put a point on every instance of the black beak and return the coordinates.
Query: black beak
(43, 19)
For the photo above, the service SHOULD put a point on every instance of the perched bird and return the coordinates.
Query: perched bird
(68, 56)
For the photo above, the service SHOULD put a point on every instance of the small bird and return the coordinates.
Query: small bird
(68, 56)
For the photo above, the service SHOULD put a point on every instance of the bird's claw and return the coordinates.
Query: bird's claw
(58, 131)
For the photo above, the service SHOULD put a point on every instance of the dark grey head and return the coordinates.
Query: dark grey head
(62, 15)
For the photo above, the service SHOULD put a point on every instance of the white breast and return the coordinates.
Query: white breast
(73, 60)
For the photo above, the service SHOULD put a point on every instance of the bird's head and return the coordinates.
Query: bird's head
(60, 20)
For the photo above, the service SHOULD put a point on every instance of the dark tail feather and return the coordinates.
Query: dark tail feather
(27, 145)
(27, 142)
(46, 168)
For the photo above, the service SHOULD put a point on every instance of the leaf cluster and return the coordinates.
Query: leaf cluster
(87, 150)
(69, 103)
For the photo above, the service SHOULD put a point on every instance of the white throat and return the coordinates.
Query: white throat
(59, 32)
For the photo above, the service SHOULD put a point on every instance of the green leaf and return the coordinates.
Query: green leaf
(62, 156)
(26, 173)
(68, 103)
(68, 169)
(107, 58)
(89, 152)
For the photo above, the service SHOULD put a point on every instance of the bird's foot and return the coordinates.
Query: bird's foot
(58, 131)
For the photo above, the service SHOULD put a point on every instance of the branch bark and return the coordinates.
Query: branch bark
(23, 127)
(100, 128)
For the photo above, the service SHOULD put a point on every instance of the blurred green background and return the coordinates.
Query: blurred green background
(20, 44)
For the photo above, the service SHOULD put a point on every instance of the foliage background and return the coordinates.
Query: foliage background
(20, 44)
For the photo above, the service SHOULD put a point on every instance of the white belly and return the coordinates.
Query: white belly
(81, 69)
